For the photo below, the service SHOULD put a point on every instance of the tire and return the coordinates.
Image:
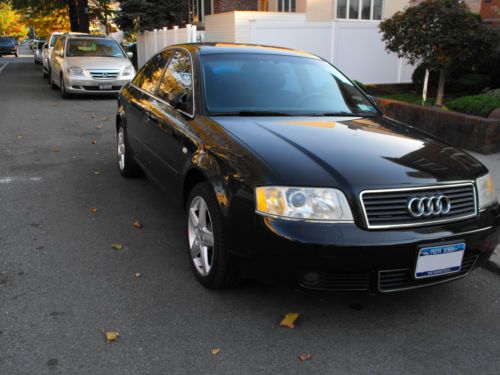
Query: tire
(64, 93)
(53, 86)
(127, 165)
(213, 270)
(44, 74)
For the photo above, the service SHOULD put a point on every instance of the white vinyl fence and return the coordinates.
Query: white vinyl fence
(354, 46)
(151, 42)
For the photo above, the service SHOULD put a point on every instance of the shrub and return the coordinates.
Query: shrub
(495, 93)
(471, 83)
(477, 105)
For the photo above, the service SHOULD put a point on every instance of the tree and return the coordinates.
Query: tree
(140, 15)
(102, 11)
(11, 22)
(438, 33)
(77, 10)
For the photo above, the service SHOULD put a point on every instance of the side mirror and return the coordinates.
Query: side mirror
(181, 102)
(130, 55)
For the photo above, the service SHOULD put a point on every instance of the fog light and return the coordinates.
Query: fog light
(311, 278)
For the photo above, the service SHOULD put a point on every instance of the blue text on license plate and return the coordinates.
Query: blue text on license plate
(439, 260)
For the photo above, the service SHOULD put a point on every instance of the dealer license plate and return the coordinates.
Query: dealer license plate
(105, 86)
(439, 260)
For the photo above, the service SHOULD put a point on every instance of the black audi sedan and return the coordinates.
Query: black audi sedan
(288, 171)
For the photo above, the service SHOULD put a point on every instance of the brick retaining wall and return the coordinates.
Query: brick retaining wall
(469, 132)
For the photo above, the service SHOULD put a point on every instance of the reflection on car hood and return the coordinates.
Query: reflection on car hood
(89, 63)
(355, 153)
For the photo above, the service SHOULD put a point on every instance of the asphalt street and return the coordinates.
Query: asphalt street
(62, 285)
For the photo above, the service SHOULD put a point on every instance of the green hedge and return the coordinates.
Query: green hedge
(477, 105)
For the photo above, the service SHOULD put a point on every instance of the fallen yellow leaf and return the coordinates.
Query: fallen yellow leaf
(112, 336)
(137, 224)
(215, 351)
(289, 320)
(105, 118)
(305, 357)
(137, 274)
(93, 141)
(117, 246)
(97, 172)
(93, 210)
(99, 126)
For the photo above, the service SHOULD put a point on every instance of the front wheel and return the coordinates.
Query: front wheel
(53, 85)
(205, 240)
(64, 93)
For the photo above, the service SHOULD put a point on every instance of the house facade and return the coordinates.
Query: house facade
(490, 12)
(316, 10)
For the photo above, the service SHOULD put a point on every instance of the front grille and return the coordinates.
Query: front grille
(389, 208)
(101, 74)
(335, 281)
(394, 280)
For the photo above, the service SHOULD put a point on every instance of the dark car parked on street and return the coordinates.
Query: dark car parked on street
(289, 171)
(8, 46)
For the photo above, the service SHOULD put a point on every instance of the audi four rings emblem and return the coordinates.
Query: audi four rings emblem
(429, 206)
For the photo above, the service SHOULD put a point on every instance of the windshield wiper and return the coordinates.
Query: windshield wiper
(251, 113)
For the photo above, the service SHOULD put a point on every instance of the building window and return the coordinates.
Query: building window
(286, 5)
(360, 9)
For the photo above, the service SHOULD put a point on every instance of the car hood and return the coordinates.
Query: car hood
(90, 63)
(350, 153)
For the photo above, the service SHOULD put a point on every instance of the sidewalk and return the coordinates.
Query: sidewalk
(492, 162)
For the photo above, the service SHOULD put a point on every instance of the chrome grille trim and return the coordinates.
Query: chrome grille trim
(104, 74)
(420, 223)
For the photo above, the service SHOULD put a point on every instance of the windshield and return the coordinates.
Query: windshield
(93, 48)
(53, 40)
(279, 85)
(7, 42)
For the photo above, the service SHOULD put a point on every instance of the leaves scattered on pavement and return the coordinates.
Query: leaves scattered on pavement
(97, 173)
(100, 126)
(105, 118)
(215, 351)
(112, 336)
(93, 141)
(305, 357)
(289, 320)
(56, 149)
(117, 246)
(137, 224)
(137, 275)
(93, 210)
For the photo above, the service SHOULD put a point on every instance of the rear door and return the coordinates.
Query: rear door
(169, 125)
(139, 96)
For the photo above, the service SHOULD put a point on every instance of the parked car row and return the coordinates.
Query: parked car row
(79, 63)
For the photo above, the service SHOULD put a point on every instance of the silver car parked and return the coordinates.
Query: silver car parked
(88, 64)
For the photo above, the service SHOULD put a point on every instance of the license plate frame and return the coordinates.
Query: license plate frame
(105, 86)
(439, 260)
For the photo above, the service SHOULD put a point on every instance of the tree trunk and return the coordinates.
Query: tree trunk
(440, 91)
(73, 15)
(83, 16)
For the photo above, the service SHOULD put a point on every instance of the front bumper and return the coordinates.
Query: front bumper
(347, 257)
(7, 51)
(87, 85)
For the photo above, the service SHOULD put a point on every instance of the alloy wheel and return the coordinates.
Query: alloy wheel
(200, 236)
(121, 149)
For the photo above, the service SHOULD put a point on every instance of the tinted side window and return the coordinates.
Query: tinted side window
(177, 80)
(150, 75)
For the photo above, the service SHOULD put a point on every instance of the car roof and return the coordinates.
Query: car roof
(217, 48)
(86, 36)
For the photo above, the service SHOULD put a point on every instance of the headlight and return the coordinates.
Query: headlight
(485, 191)
(128, 71)
(74, 70)
(321, 204)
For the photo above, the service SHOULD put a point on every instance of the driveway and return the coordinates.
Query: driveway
(63, 285)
